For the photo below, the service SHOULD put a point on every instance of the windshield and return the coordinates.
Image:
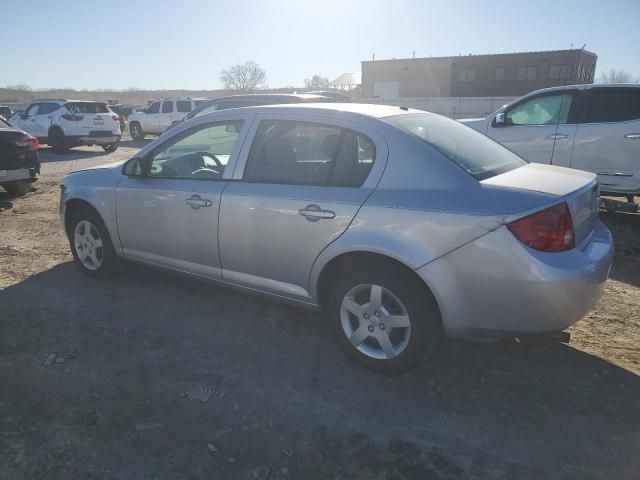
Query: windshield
(477, 154)
(87, 107)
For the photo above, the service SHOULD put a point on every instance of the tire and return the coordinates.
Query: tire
(112, 147)
(86, 230)
(401, 295)
(18, 189)
(136, 131)
(58, 141)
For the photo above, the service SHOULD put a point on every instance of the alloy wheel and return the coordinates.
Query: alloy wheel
(375, 321)
(88, 245)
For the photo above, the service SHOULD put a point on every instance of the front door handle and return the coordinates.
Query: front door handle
(313, 213)
(196, 201)
(632, 135)
(558, 136)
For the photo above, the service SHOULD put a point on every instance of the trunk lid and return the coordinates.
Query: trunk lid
(577, 188)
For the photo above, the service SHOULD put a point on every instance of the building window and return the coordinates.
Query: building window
(559, 72)
(467, 75)
(527, 73)
(499, 74)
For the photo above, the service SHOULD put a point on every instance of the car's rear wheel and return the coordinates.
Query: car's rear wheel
(91, 244)
(58, 141)
(17, 189)
(383, 319)
(136, 131)
(110, 148)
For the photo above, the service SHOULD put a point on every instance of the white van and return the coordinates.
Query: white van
(588, 127)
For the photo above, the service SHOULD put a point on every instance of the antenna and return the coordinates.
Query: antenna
(583, 46)
(373, 57)
(414, 54)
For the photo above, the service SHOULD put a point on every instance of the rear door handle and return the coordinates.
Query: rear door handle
(196, 201)
(558, 136)
(632, 135)
(313, 213)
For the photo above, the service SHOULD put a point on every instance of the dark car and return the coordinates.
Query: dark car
(5, 111)
(253, 100)
(19, 162)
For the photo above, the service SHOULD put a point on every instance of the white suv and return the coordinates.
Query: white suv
(155, 118)
(63, 124)
(588, 127)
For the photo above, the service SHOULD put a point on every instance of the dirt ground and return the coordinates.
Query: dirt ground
(152, 376)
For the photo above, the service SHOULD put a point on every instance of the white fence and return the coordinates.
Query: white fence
(454, 107)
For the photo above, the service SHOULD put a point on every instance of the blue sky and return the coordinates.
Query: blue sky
(185, 44)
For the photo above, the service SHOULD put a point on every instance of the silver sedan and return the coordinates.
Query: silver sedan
(401, 225)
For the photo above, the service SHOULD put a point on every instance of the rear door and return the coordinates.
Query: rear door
(531, 125)
(169, 215)
(296, 189)
(608, 142)
(166, 116)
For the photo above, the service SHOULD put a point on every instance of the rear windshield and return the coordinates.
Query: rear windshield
(4, 124)
(87, 107)
(475, 153)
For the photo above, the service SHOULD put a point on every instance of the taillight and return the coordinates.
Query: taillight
(71, 117)
(115, 117)
(34, 144)
(550, 230)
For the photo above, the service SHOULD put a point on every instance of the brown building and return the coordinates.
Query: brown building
(497, 75)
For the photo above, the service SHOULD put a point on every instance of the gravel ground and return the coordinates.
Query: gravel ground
(152, 376)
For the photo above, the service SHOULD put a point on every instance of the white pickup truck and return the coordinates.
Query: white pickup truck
(157, 116)
(588, 127)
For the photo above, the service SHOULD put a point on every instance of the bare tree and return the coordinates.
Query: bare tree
(243, 76)
(616, 76)
(317, 81)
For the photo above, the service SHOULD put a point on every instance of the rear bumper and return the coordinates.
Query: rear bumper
(17, 175)
(495, 286)
(94, 139)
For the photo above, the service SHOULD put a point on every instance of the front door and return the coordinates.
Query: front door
(168, 215)
(299, 189)
(531, 127)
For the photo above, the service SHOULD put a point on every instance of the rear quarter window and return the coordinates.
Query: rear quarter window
(472, 151)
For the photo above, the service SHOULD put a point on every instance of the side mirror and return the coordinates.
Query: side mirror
(501, 120)
(133, 168)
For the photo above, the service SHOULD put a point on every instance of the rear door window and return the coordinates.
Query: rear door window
(47, 108)
(167, 107)
(613, 105)
(290, 152)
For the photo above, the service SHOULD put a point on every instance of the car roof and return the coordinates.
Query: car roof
(584, 86)
(360, 109)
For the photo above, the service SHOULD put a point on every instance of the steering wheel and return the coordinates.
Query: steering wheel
(204, 167)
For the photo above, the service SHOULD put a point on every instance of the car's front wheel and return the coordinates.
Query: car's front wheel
(136, 131)
(383, 318)
(110, 148)
(90, 243)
